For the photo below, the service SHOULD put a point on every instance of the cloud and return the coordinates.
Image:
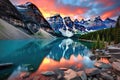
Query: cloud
(76, 8)
(111, 13)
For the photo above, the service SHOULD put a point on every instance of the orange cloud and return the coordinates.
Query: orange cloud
(51, 7)
(111, 13)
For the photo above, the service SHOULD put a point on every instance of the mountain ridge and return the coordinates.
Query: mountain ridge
(29, 23)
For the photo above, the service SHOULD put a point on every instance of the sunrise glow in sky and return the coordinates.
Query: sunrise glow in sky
(76, 8)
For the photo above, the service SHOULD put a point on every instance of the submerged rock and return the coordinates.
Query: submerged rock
(24, 75)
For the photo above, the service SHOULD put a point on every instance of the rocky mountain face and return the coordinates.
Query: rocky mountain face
(33, 18)
(109, 22)
(97, 23)
(65, 26)
(9, 13)
(68, 22)
(92, 24)
(56, 22)
(26, 17)
(8, 31)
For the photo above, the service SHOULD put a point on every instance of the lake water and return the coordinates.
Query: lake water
(43, 55)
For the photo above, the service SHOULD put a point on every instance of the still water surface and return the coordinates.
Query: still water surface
(43, 55)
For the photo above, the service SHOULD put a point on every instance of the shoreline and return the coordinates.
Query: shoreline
(86, 40)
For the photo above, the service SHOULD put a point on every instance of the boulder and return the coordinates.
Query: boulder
(73, 68)
(59, 73)
(93, 57)
(116, 66)
(94, 79)
(48, 73)
(109, 72)
(102, 65)
(63, 69)
(118, 77)
(92, 71)
(100, 79)
(70, 74)
(82, 75)
(111, 60)
(118, 60)
(105, 76)
(36, 78)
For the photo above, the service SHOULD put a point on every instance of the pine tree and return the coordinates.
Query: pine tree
(117, 31)
(92, 37)
(97, 46)
(103, 43)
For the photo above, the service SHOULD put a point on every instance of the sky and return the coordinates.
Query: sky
(76, 9)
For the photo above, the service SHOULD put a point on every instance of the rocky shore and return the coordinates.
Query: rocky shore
(106, 67)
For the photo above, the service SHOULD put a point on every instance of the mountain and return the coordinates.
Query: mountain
(97, 23)
(33, 18)
(68, 23)
(8, 31)
(27, 18)
(109, 22)
(65, 26)
(78, 26)
(10, 21)
(10, 14)
(56, 22)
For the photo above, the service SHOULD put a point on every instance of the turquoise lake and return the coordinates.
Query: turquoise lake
(36, 54)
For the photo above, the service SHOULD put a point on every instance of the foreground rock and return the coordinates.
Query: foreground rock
(92, 71)
(93, 57)
(48, 73)
(113, 49)
(116, 66)
(82, 75)
(70, 74)
(105, 76)
(102, 65)
(118, 77)
(59, 73)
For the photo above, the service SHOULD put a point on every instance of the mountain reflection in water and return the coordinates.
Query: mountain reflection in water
(43, 55)
(65, 54)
